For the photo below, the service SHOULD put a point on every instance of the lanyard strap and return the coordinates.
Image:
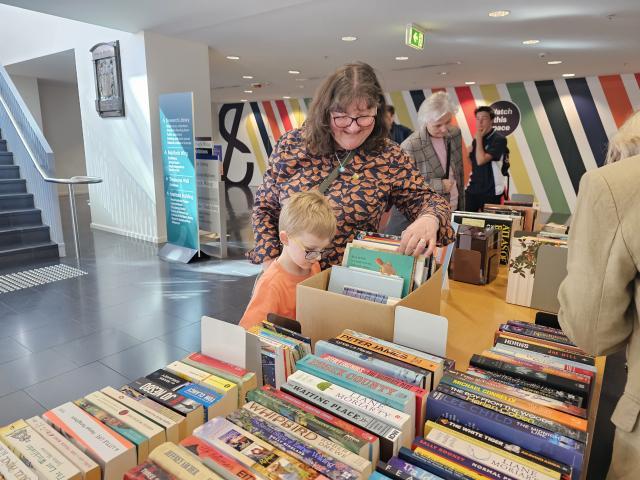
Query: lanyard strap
(326, 183)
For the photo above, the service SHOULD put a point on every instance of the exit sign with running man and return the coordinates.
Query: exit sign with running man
(414, 37)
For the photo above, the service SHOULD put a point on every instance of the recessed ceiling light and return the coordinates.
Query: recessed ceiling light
(554, 62)
(301, 79)
(286, 97)
(531, 42)
(247, 77)
(248, 91)
(499, 13)
(349, 39)
(469, 83)
(402, 59)
(300, 86)
(443, 73)
(232, 57)
(568, 75)
(458, 62)
(294, 72)
(243, 99)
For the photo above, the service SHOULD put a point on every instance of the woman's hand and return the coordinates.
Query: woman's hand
(420, 237)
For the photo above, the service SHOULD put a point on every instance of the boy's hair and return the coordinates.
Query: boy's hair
(486, 109)
(308, 212)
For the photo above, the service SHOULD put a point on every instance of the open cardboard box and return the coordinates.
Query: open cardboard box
(324, 314)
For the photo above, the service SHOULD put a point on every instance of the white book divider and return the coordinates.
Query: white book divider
(421, 330)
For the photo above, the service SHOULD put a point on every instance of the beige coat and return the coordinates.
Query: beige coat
(600, 298)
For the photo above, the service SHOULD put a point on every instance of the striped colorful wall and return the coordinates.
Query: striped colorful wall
(563, 129)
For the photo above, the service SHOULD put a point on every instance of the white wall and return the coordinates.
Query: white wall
(28, 88)
(175, 65)
(63, 129)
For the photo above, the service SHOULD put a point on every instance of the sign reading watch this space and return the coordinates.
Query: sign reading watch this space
(414, 37)
(507, 117)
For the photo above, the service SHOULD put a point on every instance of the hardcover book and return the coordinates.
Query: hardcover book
(385, 263)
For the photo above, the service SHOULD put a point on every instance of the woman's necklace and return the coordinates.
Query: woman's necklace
(342, 162)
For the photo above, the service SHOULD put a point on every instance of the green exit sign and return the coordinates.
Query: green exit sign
(414, 37)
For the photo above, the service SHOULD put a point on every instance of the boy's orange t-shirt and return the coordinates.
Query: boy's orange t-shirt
(275, 292)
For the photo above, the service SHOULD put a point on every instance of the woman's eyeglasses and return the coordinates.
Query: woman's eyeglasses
(346, 121)
(310, 254)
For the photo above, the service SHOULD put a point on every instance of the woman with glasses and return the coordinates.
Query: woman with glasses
(343, 150)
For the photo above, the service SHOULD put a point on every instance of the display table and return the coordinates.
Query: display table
(474, 314)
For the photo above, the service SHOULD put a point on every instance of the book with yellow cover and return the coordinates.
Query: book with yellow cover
(180, 462)
(226, 388)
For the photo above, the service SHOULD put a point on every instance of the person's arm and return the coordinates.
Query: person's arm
(265, 300)
(266, 211)
(494, 151)
(429, 212)
(595, 295)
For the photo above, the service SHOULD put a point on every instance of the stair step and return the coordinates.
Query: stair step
(13, 237)
(9, 171)
(25, 254)
(3, 145)
(16, 201)
(20, 217)
(6, 158)
(13, 185)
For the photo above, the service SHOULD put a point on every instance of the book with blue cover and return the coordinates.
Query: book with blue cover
(386, 263)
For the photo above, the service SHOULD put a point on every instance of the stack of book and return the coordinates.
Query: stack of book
(280, 349)
(108, 432)
(372, 269)
(519, 411)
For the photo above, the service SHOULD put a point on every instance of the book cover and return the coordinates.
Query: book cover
(161, 416)
(385, 263)
(110, 450)
(299, 450)
(429, 465)
(87, 467)
(546, 360)
(217, 461)
(37, 453)
(531, 332)
(210, 400)
(462, 466)
(511, 430)
(396, 346)
(166, 379)
(391, 286)
(314, 440)
(181, 463)
(12, 468)
(148, 471)
(222, 386)
(410, 469)
(543, 349)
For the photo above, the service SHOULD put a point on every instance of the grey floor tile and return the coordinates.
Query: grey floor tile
(18, 405)
(95, 346)
(15, 324)
(187, 338)
(31, 369)
(51, 335)
(145, 358)
(75, 384)
(10, 349)
(151, 326)
(4, 308)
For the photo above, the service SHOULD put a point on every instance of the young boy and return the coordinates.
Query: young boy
(307, 225)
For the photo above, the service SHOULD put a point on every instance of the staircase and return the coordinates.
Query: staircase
(23, 237)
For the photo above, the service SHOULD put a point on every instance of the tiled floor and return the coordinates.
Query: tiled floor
(134, 313)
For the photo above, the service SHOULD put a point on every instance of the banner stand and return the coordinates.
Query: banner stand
(175, 253)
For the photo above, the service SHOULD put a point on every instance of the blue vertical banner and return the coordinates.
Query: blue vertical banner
(178, 161)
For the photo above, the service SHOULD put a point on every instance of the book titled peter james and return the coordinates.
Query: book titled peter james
(386, 263)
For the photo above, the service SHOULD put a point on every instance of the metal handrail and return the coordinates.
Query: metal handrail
(70, 182)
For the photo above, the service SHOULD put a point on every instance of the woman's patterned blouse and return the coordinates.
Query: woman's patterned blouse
(369, 185)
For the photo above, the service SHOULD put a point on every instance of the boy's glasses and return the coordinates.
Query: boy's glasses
(310, 254)
(346, 121)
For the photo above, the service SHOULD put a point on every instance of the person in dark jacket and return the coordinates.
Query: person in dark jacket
(398, 133)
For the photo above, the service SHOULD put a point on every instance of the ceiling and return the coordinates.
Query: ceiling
(58, 67)
(274, 36)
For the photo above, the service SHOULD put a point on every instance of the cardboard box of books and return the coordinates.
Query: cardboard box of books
(324, 314)
(477, 255)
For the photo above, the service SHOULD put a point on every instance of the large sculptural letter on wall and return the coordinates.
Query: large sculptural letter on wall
(233, 142)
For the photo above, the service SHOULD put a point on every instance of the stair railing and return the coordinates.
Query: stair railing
(24, 134)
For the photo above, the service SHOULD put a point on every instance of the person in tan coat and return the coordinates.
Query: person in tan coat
(600, 297)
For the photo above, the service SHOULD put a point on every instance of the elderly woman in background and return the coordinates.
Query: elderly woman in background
(436, 147)
(600, 297)
(343, 150)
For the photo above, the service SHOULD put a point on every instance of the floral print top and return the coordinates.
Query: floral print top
(368, 186)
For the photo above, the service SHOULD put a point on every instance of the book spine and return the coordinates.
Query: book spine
(308, 420)
(214, 459)
(462, 463)
(527, 457)
(389, 351)
(566, 434)
(546, 350)
(529, 374)
(218, 364)
(379, 390)
(148, 471)
(167, 380)
(553, 415)
(535, 326)
(289, 444)
(181, 463)
(314, 440)
(401, 348)
(430, 465)
(540, 341)
(260, 456)
(354, 400)
(549, 360)
(511, 430)
(165, 397)
(530, 332)
(539, 366)
(387, 471)
(12, 468)
(505, 463)
(537, 388)
(364, 359)
(530, 397)
(410, 469)
(202, 395)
